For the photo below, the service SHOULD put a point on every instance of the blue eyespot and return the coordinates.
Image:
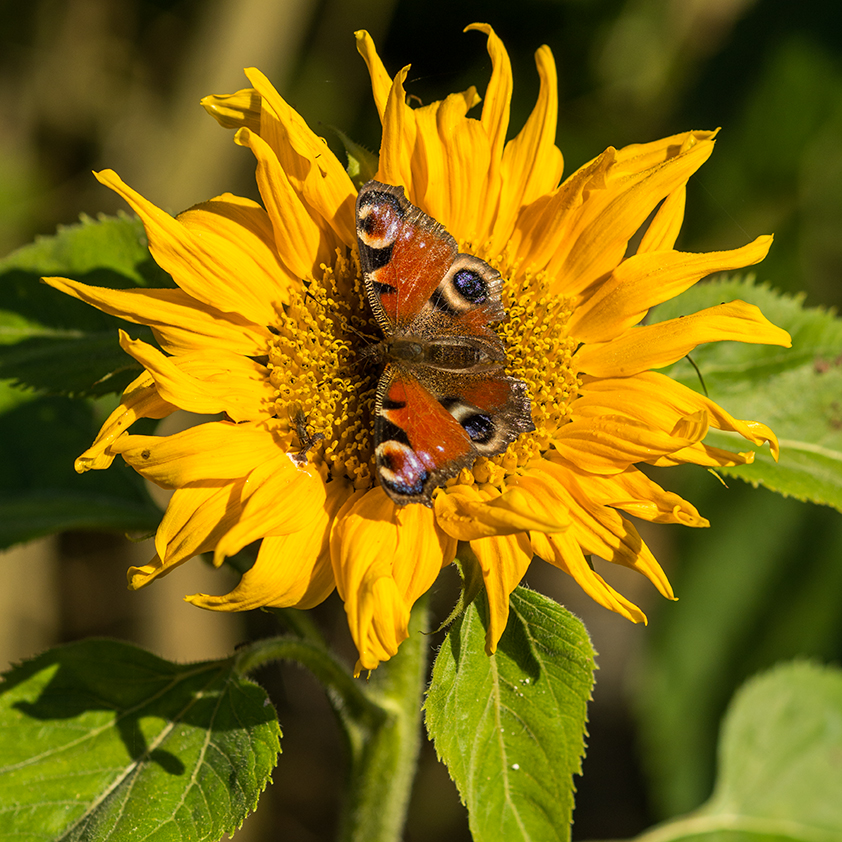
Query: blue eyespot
(470, 285)
(479, 427)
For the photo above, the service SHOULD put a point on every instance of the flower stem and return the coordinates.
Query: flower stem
(383, 760)
(381, 719)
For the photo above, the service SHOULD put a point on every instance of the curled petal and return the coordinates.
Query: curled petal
(564, 552)
(647, 279)
(660, 402)
(399, 134)
(232, 111)
(637, 495)
(484, 194)
(609, 444)
(383, 559)
(468, 514)
(316, 173)
(140, 400)
(659, 345)
(532, 163)
(291, 571)
(503, 559)
(602, 531)
(381, 82)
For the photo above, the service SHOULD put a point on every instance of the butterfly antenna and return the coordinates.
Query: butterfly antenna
(699, 375)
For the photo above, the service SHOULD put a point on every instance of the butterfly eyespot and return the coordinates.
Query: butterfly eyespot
(400, 468)
(471, 285)
(379, 220)
(480, 427)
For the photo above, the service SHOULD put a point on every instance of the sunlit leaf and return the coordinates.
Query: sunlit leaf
(102, 740)
(797, 392)
(510, 726)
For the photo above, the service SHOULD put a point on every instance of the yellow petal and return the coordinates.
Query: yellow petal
(659, 345)
(600, 530)
(498, 94)
(532, 163)
(608, 444)
(468, 514)
(299, 240)
(665, 226)
(503, 560)
(637, 495)
(581, 232)
(181, 324)
(210, 270)
(597, 240)
(213, 451)
(207, 382)
(660, 401)
(140, 400)
(647, 279)
(239, 232)
(278, 497)
(314, 171)
(383, 559)
(564, 552)
(399, 134)
(442, 161)
(232, 111)
(291, 571)
(485, 190)
(196, 517)
(704, 455)
(381, 82)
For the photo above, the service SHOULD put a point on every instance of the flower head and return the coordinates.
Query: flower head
(267, 326)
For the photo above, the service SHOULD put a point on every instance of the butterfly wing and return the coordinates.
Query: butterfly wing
(430, 423)
(443, 398)
(416, 280)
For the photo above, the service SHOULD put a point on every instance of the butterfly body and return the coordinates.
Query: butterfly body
(443, 398)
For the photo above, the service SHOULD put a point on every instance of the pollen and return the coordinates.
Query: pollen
(321, 383)
(540, 352)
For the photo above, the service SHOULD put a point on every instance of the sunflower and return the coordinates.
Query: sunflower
(265, 329)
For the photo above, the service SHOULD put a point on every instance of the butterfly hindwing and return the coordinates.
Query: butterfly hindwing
(444, 397)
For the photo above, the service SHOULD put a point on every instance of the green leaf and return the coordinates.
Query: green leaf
(362, 163)
(510, 726)
(53, 343)
(102, 740)
(40, 492)
(794, 391)
(761, 586)
(779, 771)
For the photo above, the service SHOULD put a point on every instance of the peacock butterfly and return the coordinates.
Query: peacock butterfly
(443, 398)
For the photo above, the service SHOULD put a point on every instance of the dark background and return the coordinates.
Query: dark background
(89, 84)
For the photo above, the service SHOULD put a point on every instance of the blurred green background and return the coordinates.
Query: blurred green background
(88, 84)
